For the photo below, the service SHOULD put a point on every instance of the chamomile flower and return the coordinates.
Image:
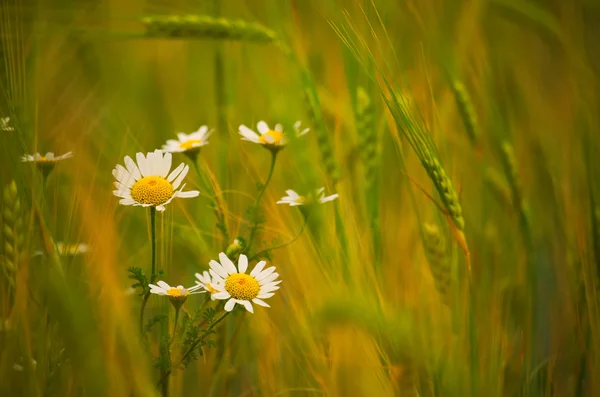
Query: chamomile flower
(177, 295)
(69, 249)
(188, 144)
(272, 139)
(244, 289)
(205, 280)
(5, 124)
(318, 196)
(149, 183)
(47, 162)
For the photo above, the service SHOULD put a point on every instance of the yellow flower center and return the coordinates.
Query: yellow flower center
(271, 138)
(153, 190)
(187, 145)
(242, 286)
(177, 293)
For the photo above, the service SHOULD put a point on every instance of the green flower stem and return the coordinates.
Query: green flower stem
(257, 201)
(194, 345)
(257, 255)
(153, 274)
(177, 309)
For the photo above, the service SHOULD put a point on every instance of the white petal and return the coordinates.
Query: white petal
(265, 273)
(176, 172)
(182, 137)
(260, 302)
(132, 168)
(247, 305)
(229, 305)
(164, 285)
(278, 127)
(166, 165)
(161, 208)
(220, 270)
(127, 201)
(215, 277)
(264, 296)
(258, 268)
(222, 295)
(242, 263)
(189, 194)
(248, 134)
(179, 179)
(141, 161)
(324, 199)
(272, 277)
(227, 263)
(123, 176)
(267, 289)
(292, 194)
(262, 127)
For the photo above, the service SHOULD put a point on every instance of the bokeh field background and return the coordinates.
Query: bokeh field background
(423, 115)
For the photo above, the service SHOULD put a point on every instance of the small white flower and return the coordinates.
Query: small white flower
(294, 199)
(5, 124)
(48, 158)
(177, 295)
(149, 183)
(206, 281)
(272, 139)
(299, 130)
(188, 143)
(244, 289)
(67, 249)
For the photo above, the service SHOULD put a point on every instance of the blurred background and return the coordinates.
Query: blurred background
(383, 293)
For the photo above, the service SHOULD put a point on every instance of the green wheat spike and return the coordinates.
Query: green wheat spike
(366, 135)
(206, 27)
(466, 110)
(12, 232)
(438, 259)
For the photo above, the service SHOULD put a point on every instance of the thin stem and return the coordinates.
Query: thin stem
(218, 208)
(194, 345)
(257, 201)
(257, 255)
(153, 274)
(175, 325)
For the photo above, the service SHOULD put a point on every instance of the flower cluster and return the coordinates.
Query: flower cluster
(225, 281)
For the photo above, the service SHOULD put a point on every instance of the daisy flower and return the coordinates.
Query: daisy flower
(189, 144)
(294, 199)
(272, 139)
(47, 162)
(68, 249)
(149, 183)
(5, 124)
(205, 280)
(244, 289)
(177, 295)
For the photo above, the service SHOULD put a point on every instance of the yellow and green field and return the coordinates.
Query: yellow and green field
(460, 257)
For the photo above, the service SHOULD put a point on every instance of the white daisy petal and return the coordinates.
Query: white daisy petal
(141, 162)
(278, 127)
(243, 263)
(262, 127)
(132, 168)
(258, 268)
(260, 302)
(163, 284)
(247, 305)
(182, 137)
(166, 165)
(229, 305)
(264, 295)
(188, 194)
(248, 134)
(265, 273)
(176, 172)
(216, 266)
(227, 263)
(177, 181)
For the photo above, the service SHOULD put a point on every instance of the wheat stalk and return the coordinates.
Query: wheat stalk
(206, 27)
